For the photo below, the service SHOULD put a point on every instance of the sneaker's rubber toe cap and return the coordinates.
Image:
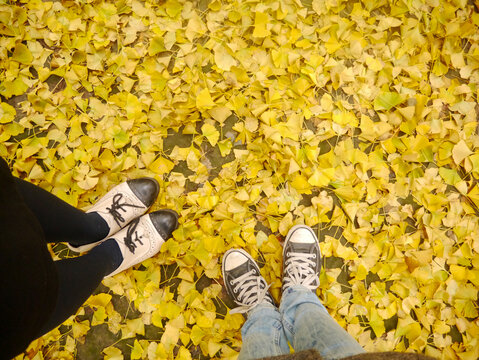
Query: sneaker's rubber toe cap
(302, 236)
(145, 189)
(165, 222)
(234, 260)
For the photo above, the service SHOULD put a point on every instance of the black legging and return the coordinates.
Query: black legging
(77, 277)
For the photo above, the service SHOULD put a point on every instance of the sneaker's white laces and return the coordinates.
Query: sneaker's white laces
(299, 270)
(252, 291)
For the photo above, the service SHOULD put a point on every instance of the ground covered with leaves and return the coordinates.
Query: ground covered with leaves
(357, 118)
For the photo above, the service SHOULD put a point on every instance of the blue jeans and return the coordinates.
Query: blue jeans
(302, 321)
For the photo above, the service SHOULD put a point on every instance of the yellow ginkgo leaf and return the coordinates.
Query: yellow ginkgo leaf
(22, 54)
(137, 350)
(210, 132)
(223, 59)
(7, 113)
(460, 152)
(261, 21)
(113, 353)
(204, 100)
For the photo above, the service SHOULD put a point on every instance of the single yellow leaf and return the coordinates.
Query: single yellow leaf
(88, 183)
(112, 353)
(22, 54)
(210, 132)
(157, 44)
(99, 300)
(204, 100)
(261, 22)
(460, 152)
(7, 113)
(137, 351)
(220, 113)
(197, 334)
(321, 177)
(161, 166)
(223, 59)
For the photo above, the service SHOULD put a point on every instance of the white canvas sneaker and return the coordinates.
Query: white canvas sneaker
(243, 281)
(301, 258)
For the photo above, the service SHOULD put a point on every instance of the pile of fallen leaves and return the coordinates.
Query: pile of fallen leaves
(358, 118)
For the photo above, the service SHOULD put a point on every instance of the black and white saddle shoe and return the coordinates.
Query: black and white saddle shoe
(142, 238)
(121, 205)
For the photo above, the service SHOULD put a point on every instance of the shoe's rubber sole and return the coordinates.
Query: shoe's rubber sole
(84, 248)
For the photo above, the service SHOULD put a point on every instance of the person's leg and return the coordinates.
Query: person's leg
(263, 334)
(60, 221)
(79, 277)
(308, 325)
(306, 321)
(28, 280)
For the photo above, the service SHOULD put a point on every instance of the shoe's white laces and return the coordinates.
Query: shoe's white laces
(252, 291)
(299, 270)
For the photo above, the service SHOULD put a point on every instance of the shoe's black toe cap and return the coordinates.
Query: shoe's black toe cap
(145, 189)
(165, 222)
